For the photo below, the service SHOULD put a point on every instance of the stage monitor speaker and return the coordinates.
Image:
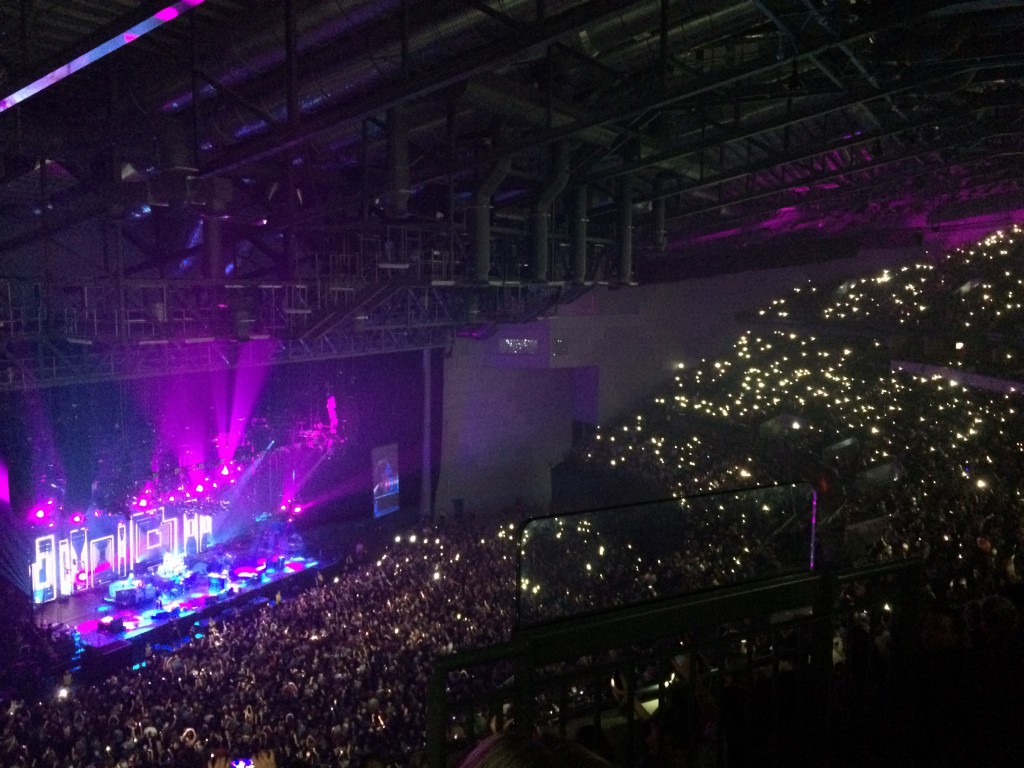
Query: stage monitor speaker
(112, 627)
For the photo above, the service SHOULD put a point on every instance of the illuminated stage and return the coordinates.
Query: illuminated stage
(163, 504)
(162, 605)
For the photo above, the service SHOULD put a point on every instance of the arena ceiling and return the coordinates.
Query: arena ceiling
(716, 133)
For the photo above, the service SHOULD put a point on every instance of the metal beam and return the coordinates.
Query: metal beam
(493, 55)
(741, 133)
(818, 178)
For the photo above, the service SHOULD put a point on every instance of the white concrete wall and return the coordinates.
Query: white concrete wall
(508, 418)
(503, 430)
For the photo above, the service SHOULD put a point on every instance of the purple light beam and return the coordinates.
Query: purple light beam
(65, 70)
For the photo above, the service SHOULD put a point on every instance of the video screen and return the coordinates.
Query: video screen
(385, 479)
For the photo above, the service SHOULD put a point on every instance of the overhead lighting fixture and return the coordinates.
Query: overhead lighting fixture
(134, 33)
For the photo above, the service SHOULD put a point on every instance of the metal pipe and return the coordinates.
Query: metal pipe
(426, 478)
(626, 229)
(659, 235)
(578, 233)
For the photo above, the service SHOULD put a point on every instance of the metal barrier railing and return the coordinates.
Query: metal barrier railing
(732, 673)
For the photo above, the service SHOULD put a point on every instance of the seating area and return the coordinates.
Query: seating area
(907, 467)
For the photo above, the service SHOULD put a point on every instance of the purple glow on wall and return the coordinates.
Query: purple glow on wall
(5, 484)
(182, 424)
(784, 218)
(341, 490)
(47, 462)
(952, 233)
(717, 235)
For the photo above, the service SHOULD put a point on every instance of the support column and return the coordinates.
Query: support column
(292, 100)
(626, 229)
(660, 236)
(578, 234)
(427, 475)
(213, 244)
(398, 163)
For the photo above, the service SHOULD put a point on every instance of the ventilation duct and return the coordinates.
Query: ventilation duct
(482, 218)
(213, 245)
(259, 50)
(398, 163)
(540, 213)
(504, 97)
(378, 59)
(626, 38)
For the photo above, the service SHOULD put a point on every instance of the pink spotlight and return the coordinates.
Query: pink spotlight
(166, 14)
(298, 508)
(225, 470)
(40, 514)
(143, 503)
(130, 37)
(76, 519)
(199, 488)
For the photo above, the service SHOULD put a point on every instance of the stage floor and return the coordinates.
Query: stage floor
(99, 620)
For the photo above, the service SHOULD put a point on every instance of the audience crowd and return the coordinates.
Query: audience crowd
(330, 676)
(911, 465)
